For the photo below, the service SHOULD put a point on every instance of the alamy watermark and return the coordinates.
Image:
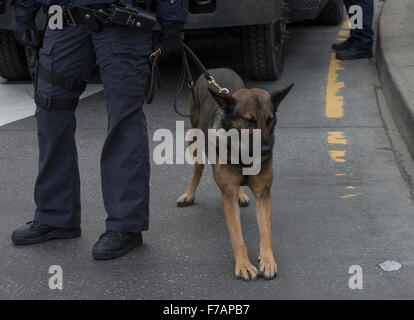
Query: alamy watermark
(56, 280)
(233, 146)
(55, 17)
(356, 17)
(356, 280)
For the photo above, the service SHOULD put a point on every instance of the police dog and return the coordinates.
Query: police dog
(240, 109)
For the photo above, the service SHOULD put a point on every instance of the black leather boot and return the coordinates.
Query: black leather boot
(34, 232)
(113, 244)
(342, 45)
(353, 54)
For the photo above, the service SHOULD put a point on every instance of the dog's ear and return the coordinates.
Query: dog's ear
(277, 96)
(224, 100)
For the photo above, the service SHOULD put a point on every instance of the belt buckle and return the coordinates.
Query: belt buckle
(69, 18)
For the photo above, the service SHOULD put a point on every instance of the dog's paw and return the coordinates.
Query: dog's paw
(185, 200)
(244, 200)
(245, 270)
(268, 268)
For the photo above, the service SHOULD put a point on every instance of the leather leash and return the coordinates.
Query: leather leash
(155, 77)
(184, 74)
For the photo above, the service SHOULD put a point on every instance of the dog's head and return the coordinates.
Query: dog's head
(252, 109)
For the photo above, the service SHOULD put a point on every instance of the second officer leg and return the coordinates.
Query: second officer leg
(66, 59)
(360, 40)
(122, 55)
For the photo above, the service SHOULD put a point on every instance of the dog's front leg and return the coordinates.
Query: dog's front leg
(244, 268)
(228, 179)
(268, 267)
(260, 185)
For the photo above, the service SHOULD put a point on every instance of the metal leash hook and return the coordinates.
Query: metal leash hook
(213, 81)
(207, 75)
(155, 54)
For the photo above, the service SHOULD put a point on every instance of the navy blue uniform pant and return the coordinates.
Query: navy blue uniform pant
(362, 38)
(122, 55)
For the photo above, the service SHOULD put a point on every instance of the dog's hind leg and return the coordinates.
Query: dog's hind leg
(243, 198)
(260, 186)
(187, 198)
(229, 183)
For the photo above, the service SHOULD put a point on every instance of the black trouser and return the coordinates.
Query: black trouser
(122, 55)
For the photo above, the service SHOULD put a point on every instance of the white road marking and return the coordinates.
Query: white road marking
(16, 100)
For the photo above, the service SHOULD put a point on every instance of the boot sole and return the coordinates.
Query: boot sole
(56, 234)
(116, 254)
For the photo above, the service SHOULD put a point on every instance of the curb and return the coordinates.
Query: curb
(395, 65)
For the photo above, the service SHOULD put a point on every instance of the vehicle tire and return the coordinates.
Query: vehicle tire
(332, 13)
(263, 50)
(13, 65)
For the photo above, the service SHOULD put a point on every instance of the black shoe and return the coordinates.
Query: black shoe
(113, 244)
(34, 232)
(342, 45)
(353, 53)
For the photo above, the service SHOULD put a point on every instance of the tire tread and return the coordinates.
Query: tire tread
(258, 52)
(332, 14)
(13, 65)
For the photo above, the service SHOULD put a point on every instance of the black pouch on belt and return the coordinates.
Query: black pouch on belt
(135, 18)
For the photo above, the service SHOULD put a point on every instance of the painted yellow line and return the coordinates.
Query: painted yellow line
(350, 196)
(343, 33)
(334, 107)
(337, 137)
(345, 24)
(337, 155)
(334, 101)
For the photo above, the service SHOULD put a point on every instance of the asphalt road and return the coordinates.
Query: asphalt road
(337, 201)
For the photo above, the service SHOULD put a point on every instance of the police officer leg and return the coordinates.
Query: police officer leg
(68, 53)
(361, 39)
(122, 54)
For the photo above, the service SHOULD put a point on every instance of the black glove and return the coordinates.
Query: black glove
(26, 32)
(171, 38)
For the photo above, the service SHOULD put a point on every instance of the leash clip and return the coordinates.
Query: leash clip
(155, 54)
(219, 88)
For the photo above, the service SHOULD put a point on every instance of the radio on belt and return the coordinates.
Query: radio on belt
(139, 19)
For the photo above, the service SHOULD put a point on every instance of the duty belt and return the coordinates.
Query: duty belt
(97, 16)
